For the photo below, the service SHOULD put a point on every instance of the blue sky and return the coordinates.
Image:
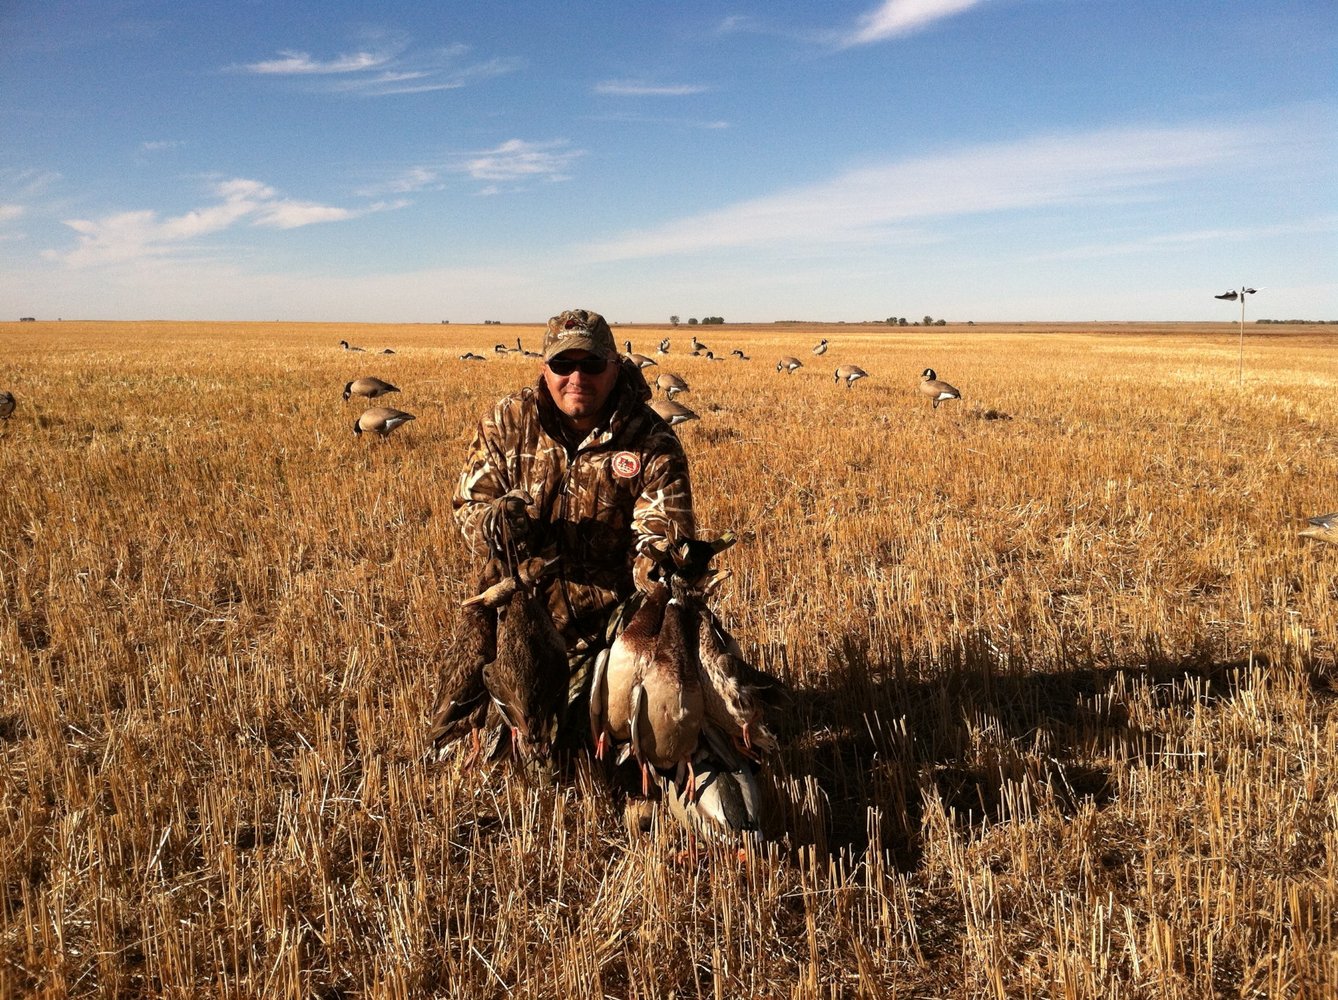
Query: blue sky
(1004, 160)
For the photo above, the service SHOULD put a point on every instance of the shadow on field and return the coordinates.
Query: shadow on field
(881, 740)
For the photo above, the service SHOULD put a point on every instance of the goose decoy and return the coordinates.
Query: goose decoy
(788, 365)
(710, 356)
(664, 346)
(1324, 528)
(697, 346)
(670, 384)
(6, 405)
(527, 680)
(346, 346)
(380, 420)
(936, 390)
(850, 373)
(471, 356)
(501, 349)
(640, 360)
(740, 355)
(368, 386)
(821, 346)
(672, 413)
(387, 350)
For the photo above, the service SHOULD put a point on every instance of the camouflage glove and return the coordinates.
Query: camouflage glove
(510, 519)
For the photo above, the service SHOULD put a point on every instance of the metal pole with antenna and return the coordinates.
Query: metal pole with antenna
(1231, 296)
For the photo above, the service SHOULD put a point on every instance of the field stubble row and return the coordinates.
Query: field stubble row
(1063, 721)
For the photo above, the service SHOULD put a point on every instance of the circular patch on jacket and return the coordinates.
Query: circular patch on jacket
(626, 464)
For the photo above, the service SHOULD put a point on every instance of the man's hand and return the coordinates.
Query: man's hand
(510, 518)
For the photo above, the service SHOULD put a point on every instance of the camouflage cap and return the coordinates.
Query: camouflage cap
(579, 330)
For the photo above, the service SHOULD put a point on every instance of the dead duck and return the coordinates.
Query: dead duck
(368, 386)
(1324, 528)
(668, 706)
(640, 360)
(527, 680)
(672, 413)
(726, 798)
(348, 347)
(381, 420)
(6, 405)
(671, 384)
(619, 669)
(821, 346)
(850, 374)
(935, 389)
(788, 365)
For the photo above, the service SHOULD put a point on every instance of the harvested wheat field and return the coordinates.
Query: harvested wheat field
(1062, 718)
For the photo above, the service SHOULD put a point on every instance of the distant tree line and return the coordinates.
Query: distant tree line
(1314, 322)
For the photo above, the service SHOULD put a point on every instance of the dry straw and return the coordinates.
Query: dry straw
(1063, 720)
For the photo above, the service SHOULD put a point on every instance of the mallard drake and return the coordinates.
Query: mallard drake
(380, 420)
(726, 799)
(788, 365)
(619, 669)
(734, 690)
(936, 390)
(667, 703)
(850, 374)
(1324, 528)
(368, 386)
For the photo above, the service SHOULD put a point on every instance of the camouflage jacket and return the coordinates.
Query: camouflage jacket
(610, 506)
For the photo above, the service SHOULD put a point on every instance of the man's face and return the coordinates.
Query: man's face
(580, 396)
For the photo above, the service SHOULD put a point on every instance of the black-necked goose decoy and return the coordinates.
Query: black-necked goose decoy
(935, 389)
(380, 420)
(670, 384)
(788, 365)
(1323, 528)
(739, 354)
(471, 356)
(348, 347)
(850, 374)
(672, 413)
(821, 346)
(368, 386)
(640, 360)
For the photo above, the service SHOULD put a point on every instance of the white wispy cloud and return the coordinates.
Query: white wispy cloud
(390, 66)
(862, 205)
(1195, 237)
(897, 18)
(638, 88)
(8, 213)
(518, 160)
(127, 236)
(158, 145)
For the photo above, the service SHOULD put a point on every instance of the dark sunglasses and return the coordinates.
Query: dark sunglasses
(588, 366)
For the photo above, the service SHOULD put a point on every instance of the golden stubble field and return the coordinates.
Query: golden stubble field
(1063, 717)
